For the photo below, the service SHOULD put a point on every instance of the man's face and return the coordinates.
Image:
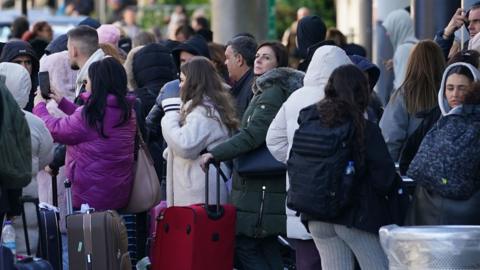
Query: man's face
(72, 56)
(25, 61)
(231, 62)
(474, 22)
(185, 56)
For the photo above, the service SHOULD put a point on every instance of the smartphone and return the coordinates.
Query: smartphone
(44, 83)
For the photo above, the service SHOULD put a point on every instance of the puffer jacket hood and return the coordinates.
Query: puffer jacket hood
(62, 76)
(399, 26)
(195, 45)
(366, 66)
(17, 81)
(153, 66)
(287, 79)
(442, 100)
(17, 48)
(310, 30)
(326, 59)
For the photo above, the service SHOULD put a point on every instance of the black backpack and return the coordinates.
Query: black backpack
(319, 185)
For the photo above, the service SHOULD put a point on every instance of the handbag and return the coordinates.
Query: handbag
(145, 192)
(430, 208)
(258, 162)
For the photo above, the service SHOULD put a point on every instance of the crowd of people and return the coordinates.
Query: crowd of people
(309, 111)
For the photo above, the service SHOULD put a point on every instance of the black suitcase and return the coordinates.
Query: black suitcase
(50, 239)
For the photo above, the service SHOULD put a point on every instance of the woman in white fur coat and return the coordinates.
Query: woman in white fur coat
(201, 118)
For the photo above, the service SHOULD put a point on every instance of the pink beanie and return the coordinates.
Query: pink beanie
(108, 33)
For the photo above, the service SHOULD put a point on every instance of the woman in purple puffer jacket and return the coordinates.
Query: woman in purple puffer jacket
(99, 135)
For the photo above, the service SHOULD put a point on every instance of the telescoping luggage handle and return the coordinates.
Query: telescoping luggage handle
(218, 213)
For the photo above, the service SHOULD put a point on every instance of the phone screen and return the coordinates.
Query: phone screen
(44, 83)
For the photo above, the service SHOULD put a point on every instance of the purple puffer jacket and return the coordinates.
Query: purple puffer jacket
(101, 169)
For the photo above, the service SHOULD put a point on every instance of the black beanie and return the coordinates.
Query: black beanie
(310, 30)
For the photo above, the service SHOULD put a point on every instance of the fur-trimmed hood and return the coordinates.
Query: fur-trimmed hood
(287, 79)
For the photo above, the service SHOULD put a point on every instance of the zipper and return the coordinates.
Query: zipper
(258, 226)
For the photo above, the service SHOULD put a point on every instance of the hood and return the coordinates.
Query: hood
(366, 66)
(153, 66)
(62, 76)
(310, 30)
(286, 78)
(399, 26)
(17, 81)
(57, 45)
(16, 48)
(474, 43)
(442, 100)
(108, 33)
(326, 59)
(195, 45)
(128, 65)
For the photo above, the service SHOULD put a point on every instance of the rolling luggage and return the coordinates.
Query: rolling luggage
(96, 240)
(50, 247)
(199, 236)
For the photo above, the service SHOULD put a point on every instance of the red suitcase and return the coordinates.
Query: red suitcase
(198, 237)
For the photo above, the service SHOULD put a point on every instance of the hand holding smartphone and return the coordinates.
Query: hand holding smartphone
(44, 83)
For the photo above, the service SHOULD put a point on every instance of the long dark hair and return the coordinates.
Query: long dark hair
(107, 77)
(346, 99)
(202, 81)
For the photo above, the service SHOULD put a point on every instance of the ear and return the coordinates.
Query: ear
(239, 60)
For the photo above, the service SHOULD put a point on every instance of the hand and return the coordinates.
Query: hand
(169, 90)
(204, 161)
(55, 95)
(458, 19)
(38, 98)
(388, 64)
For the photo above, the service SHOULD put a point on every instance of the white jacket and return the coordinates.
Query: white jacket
(185, 178)
(19, 84)
(280, 133)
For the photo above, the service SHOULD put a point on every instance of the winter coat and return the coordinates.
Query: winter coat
(83, 72)
(57, 45)
(270, 91)
(280, 133)
(397, 124)
(186, 142)
(15, 149)
(16, 48)
(97, 166)
(429, 208)
(400, 29)
(374, 180)
(242, 92)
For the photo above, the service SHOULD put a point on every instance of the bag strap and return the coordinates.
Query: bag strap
(88, 239)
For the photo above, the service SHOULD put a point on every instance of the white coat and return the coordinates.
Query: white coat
(280, 133)
(186, 141)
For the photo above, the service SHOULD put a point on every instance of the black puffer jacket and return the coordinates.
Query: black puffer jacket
(152, 67)
(16, 48)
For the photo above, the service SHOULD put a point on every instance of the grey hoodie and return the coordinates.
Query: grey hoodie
(442, 100)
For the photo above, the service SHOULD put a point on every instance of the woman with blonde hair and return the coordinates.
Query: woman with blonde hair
(417, 94)
(200, 119)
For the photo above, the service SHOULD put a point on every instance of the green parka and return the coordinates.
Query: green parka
(270, 91)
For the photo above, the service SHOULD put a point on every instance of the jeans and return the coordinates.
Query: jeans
(257, 253)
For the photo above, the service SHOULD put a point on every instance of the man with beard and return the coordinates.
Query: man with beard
(83, 50)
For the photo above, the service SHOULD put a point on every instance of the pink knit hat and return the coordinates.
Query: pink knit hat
(108, 33)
